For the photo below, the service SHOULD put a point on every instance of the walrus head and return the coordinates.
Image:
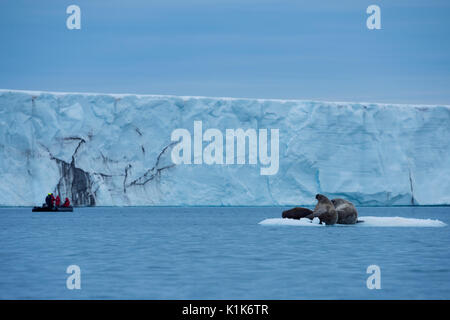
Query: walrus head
(320, 197)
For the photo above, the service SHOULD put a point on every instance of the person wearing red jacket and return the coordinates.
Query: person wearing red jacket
(58, 201)
(66, 203)
(53, 200)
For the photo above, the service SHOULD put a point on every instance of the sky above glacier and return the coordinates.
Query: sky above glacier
(284, 49)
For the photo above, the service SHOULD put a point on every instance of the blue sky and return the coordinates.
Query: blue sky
(261, 49)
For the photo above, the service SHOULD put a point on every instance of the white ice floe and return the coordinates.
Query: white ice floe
(368, 222)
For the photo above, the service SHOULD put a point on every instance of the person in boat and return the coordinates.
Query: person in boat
(49, 201)
(66, 203)
(58, 201)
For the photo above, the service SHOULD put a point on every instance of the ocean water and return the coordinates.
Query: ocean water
(222, 253)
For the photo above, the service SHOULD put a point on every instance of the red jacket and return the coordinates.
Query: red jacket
(58, 201)
(66, 203)
(53, 199)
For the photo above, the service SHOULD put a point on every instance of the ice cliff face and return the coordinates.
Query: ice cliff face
(102, 149)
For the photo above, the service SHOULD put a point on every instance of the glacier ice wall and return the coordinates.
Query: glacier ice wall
(105, 149)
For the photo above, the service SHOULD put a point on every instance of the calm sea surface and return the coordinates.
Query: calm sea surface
(218, 253)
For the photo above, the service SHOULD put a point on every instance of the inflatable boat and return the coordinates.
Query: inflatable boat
(54, 209)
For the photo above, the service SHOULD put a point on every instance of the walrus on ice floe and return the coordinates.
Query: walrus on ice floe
(296, 213)
(346, 211)
(324, 210)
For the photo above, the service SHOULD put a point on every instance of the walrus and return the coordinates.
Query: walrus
(297, 213)
(346, 211)
(324, 210)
